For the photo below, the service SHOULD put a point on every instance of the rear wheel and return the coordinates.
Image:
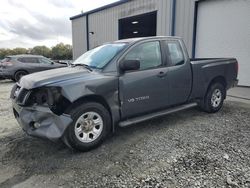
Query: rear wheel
(90, 126)
(19, 74)
(214, 98)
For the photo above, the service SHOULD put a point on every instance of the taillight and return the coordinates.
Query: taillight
(7, 64)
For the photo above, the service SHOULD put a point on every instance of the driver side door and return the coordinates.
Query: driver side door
(144, 90)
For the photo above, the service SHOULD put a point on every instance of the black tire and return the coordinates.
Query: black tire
(209, 104)
(19, 74)
(70, 137)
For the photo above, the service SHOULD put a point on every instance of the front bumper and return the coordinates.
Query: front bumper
(41, 122)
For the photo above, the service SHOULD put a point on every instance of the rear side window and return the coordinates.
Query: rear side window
(175, 53)
(149, 55)
(28, 60)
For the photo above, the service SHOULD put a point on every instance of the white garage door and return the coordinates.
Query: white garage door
(223, 30)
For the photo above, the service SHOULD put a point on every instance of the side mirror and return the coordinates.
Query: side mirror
(130, 65)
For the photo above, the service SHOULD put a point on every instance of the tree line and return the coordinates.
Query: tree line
(59, 52)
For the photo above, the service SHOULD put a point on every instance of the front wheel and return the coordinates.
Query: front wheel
(214, 98)
(90, 126)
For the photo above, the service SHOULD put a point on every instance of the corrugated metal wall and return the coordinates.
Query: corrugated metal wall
(104, 24)
(79, 36)
(185, 21)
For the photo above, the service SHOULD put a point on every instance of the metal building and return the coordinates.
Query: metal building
(210, 28)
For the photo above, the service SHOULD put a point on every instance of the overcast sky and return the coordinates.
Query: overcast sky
(28, 23)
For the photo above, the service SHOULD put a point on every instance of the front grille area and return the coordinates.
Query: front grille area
(19, 94)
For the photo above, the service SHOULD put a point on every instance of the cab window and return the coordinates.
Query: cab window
(149, 55)
(175, 53)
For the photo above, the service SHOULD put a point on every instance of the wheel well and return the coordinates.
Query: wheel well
(218, 79)
(89, 98)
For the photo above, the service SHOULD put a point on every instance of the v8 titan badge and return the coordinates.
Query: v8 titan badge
(137, 99)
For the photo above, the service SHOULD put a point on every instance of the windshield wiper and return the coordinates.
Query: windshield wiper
(83, 65)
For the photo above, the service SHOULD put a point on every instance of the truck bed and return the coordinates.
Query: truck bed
(206, 69)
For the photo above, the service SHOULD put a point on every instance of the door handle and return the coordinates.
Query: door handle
(162, 74)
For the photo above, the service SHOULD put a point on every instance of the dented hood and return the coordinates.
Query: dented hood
(52, 76)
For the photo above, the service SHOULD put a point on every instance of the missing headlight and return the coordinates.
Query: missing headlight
(51, 97)
(41, 97)
(44, 96)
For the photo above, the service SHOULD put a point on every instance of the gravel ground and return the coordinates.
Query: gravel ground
(185, 149)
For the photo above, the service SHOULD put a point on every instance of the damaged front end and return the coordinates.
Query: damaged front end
(40, 111)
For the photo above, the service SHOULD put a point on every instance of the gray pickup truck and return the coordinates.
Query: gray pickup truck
(119, 84)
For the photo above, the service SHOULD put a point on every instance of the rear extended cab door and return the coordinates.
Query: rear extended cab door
(179, 73)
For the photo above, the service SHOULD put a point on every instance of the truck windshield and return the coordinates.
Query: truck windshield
(100, 56)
